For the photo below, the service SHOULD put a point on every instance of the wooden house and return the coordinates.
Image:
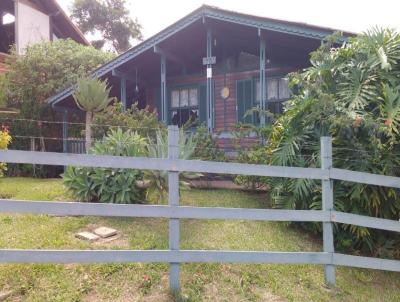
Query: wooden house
(212, 65)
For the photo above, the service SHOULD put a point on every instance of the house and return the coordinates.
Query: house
(212, 65)
(24, 22)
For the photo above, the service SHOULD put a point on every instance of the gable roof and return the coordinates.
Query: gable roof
(62, 21)
(206, 11)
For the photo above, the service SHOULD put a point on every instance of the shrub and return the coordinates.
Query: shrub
(44, 69)
(206, 146)
(143, 121)
(105, 184)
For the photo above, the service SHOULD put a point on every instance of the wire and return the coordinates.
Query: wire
(79, 123)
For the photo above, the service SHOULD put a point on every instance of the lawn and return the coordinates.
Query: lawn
(200, 282)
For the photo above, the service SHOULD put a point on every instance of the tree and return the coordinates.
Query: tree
(108, 18)
(91, 95)
(44, 69)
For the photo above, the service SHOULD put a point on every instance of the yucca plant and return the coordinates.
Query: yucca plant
(91, 95)
(158, 148)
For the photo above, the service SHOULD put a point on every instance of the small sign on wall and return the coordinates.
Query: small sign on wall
(209, 60)
(209, 72)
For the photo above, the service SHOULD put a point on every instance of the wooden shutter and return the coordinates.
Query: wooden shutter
(244, 100)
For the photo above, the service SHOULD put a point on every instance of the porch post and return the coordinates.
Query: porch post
(65, 131)
(163, 91)
(210, 94)
(123, 93)
(263, 83)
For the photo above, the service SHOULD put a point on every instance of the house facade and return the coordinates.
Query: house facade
(211, 66)
(26, 22)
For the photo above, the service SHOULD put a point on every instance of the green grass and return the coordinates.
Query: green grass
(200, 282)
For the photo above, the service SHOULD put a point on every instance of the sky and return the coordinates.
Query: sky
(350, 15)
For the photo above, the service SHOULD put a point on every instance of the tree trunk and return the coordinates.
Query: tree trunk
(88, 130)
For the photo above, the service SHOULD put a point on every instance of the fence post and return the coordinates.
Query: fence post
(173, 201)
(327, 205)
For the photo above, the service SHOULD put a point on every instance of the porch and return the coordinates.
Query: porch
(209, 69)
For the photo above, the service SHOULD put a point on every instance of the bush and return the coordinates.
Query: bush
(206, 146)
(109, 185)
(43, 70)
(143, 121)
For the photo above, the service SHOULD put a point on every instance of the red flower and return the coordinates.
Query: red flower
(146, 278)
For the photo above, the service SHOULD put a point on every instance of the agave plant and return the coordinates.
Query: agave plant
(106, 184)
(157, 181)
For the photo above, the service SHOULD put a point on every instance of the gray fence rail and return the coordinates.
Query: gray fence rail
(174, 212)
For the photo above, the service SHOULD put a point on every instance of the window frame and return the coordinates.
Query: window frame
(274, 77)
(256, 104)
(179, 88)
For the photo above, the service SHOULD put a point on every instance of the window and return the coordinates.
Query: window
(184, 105)
(277, 92)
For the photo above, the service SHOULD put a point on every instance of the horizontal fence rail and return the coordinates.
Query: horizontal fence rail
(179, 165)
(163, 164)
(174, 212)
(193, 256)
(156, 211)
(187, 212)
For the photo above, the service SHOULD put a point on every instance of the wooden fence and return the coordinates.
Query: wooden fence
(174, 212)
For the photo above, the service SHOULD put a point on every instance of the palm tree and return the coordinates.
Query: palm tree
(91, 95)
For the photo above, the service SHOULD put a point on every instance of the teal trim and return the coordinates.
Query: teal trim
(123, 94)
(244, 100)
(163, 89)
(263, 81)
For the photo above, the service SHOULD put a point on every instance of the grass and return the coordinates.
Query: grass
(149, 282)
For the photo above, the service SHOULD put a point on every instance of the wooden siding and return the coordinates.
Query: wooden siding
(219, 83)
(221, 125)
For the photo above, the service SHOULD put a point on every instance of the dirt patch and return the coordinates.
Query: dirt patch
(162, 297)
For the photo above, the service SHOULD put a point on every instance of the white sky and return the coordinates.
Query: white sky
(351, 15)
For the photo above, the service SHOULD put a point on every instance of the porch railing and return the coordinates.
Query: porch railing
(174, 212)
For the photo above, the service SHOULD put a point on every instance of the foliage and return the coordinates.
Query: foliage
(3, 90)
(143, 121)
(206, 146)
(353, 94)
(44, 69)
(91, 95)
(110, 19)
(5, 140)
(256, 153)
(109, 185)
(158, 148)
